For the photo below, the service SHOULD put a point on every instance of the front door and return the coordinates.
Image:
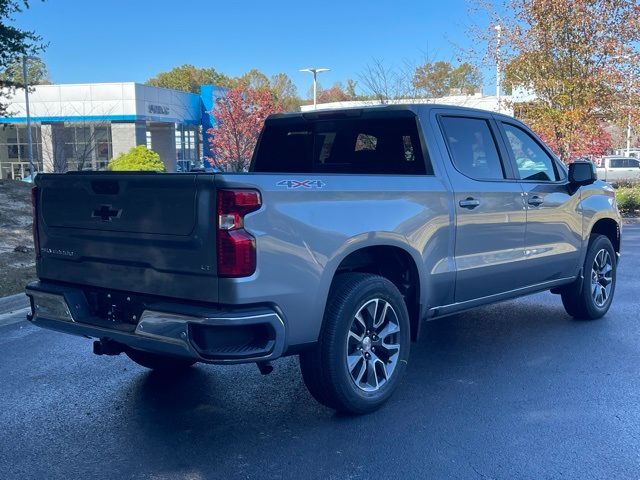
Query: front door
(489, 208)
(553, 237)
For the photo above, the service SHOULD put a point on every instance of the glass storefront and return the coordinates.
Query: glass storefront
(186, 147)
(59, 147)
(71, 146)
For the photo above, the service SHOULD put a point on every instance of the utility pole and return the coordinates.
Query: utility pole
(498, 29)
(26, 99)
(315, 72)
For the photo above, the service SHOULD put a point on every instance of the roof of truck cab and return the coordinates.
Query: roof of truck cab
(357, 111)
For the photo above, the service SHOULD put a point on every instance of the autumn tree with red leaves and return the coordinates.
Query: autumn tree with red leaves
(576, 57)
(239, 117)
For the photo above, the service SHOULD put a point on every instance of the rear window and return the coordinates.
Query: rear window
(351, 145)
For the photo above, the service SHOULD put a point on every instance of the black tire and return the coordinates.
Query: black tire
(324, 367)
(157, 362)
(580, 302)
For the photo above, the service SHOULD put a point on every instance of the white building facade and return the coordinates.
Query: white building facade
(482, 102)
(83, 126)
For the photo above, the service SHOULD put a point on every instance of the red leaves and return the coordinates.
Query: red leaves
(239, 117)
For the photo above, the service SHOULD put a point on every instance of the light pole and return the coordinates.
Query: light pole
(498, 29)
(627, 59)
(26, 99)
(315, 72)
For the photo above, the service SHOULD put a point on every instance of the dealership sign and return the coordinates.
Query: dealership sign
(158, 109)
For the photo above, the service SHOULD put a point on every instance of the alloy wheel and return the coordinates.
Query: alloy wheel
(373, 345)
(601, 277)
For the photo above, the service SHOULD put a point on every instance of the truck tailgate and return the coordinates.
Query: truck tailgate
(138, 232)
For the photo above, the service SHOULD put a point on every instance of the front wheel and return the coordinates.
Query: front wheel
(593, 300)
(364, 345)
(157, 362)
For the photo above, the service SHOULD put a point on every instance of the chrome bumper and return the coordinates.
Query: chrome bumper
(163, 332)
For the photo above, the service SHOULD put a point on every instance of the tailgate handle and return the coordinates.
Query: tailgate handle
(105, 187)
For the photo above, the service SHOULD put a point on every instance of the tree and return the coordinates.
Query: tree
(465, 79)
(239, 117)
(188, 78)
(37, 73)
(137, 159)
(433, 79)
(576, 57)
(285, 93)
(438, 79)
(14, 43)
(254, 79)
(334, 94)
(351, 89)
(382, 83)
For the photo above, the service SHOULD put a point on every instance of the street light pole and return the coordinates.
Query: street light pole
(629, 132)
(26, 99)
(315, 72)
(498, 29)
(627, 60)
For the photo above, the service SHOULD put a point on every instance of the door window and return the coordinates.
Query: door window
(472, 147)
(532, 161)
(616, 163)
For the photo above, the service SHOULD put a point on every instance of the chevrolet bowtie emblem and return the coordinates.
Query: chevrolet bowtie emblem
(106, 213)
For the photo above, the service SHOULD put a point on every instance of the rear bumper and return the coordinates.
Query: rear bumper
(209, 335)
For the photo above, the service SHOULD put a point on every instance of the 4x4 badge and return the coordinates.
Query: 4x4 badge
(301, 184)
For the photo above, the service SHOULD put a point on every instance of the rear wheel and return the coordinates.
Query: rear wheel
(593, 300)
(364, 345)
(160, 363)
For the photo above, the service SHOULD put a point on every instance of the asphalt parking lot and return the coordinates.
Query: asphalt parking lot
(515, 390)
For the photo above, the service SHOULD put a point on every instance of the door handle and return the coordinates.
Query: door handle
(535, 201)
(469, 203)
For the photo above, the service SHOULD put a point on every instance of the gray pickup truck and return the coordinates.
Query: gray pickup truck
(350, 229)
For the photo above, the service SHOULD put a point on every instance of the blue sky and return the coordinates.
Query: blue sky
(119, 40)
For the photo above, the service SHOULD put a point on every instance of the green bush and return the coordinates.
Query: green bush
(628, 199)
(137, 159)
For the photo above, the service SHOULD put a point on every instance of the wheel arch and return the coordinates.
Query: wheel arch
(384, 259)
(609, 228)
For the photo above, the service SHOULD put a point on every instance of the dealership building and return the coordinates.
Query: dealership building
(83, 126)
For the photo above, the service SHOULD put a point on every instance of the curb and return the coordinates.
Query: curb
(631, 220)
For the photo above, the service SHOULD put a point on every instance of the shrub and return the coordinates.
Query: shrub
(137, 159)
(628, 199)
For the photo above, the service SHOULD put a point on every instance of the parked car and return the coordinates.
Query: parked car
(619, 169)
(351, 228)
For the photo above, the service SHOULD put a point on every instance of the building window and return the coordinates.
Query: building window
(87, 146)
(14, 150)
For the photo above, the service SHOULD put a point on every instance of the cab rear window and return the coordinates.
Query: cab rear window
(349, 145)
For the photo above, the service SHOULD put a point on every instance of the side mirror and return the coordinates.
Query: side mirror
(582, 173)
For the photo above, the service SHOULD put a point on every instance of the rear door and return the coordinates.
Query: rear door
(137, 232)
(489, 208)
(633, 169)
(615, 170)
(553, 236)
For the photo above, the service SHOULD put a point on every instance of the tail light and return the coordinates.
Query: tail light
(34, 209)
(236, 247)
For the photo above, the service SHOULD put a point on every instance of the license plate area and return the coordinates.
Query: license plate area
(115, 308)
